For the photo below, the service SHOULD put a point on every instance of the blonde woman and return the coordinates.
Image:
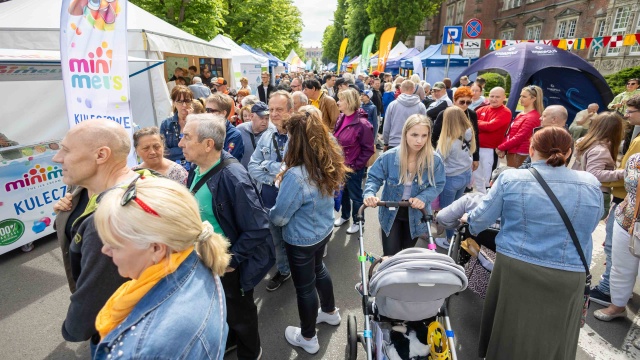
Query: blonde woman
(173, 306)
(516, 144)
(456, 146)
(411, 171)
(244, 85)
(419, 89)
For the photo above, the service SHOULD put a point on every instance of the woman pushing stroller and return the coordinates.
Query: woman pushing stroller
(412, 172)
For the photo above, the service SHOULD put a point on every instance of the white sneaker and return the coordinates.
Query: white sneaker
(354, 228)
(294, 337)
(331, 319)
(339, 221)
(442, 243)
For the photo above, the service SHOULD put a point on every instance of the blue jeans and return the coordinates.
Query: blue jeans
(603, 286)
(352, 193)
(452, 191)
(282, 263)
(312, 280)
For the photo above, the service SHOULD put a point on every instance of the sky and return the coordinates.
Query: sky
(316, 16)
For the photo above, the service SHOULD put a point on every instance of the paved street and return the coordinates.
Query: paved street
(34, 297)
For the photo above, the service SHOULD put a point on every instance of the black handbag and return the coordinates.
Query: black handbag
(574, 237)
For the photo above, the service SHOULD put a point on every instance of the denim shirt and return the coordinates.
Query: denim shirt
(531, 228)
(386, 170)
(304, 213)
(170, 129)
(161, 327)
(264, 165)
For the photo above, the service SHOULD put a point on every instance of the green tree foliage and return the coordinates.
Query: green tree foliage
(617, 81)
(332, 46)
(202, 18)
(272, 25)
(357, 24)
(405, 15)
(493, 80)
(328, 48)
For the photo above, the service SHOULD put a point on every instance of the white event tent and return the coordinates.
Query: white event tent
(244, 62)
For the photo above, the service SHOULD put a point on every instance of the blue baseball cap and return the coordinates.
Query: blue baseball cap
(260, 108)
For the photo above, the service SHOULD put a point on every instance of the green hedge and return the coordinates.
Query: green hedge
(617, 81)
(493, 80)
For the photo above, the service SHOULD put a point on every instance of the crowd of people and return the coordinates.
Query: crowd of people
(202, 219)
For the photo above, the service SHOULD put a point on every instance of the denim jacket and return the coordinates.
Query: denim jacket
(264, 166)
(386, 170)
(161, 327)
(170, 129)
(531, 228)
(304, 213)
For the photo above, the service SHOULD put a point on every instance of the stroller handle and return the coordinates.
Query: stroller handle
(390, 204)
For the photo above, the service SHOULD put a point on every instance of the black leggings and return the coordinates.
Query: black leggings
(399, 236)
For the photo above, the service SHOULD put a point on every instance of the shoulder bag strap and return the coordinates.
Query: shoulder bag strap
(636, 209)
(275, 146)
(211, 173)
(564, 217)
(253, 139)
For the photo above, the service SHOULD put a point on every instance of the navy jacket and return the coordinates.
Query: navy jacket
(244, 221)
(171, 131)
(233, 143)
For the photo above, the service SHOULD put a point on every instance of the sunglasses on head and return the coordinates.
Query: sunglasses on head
(465, 102)
(131, 194)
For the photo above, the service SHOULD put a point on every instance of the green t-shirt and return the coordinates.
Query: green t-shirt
(205, 200)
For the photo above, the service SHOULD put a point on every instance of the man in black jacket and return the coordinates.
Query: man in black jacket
(230, 202)
(265, 89)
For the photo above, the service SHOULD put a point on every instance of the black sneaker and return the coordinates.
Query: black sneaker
(599, 297)
(277, 280)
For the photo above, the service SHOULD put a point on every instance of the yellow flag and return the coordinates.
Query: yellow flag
(562, 44)
(343, 49)
(629, 40)
(386, 39)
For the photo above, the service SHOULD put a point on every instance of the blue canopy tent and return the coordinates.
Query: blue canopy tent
(436, 63)
(393, 65)
(272, 63)
(565, 78)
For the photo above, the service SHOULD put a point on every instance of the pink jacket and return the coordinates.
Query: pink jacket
(597, 161)
(517, 141)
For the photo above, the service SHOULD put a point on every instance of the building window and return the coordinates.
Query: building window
(566, 28)
(635, 49)
(510, 4)
(598, 31)
(507, 34)
(460, 12)
(533, 32)
(620, 23)
(451, 9)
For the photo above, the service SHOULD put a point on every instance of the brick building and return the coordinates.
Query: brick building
(547, 19)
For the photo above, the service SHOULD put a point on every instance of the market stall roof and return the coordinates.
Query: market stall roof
(273, 61)
(238, 51)
(35, 24)
(394, 63)
(295, 60)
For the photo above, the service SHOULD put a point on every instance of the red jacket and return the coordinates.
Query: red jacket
(492, 124)
(517, 141)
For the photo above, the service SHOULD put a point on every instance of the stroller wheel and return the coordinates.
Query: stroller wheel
(352, 337)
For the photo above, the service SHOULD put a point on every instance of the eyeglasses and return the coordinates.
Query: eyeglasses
(131, 194)
(183, 102)
(212, 111)
(630, 83)
(464, 102)
(631, 111)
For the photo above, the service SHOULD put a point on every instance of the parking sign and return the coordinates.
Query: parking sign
(452, 35)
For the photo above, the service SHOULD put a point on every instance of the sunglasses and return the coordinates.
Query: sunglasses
(532, 88)
(212, 111)
(183, 102)
(630, 83)
(131, 194)
(464, 102)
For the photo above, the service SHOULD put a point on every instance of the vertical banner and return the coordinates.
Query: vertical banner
(386, 39)
(367, 44)
(343, 49)
(93, 54)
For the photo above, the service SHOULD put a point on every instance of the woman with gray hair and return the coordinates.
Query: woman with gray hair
(149, 145)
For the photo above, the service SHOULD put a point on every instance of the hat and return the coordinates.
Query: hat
(369, 93)
(498, 171)
(376, 73)
(439, 85)
(221, 81)
(260, 108)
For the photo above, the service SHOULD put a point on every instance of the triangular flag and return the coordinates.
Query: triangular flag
(487, 43)
(562, 44)
(579, 44)
(605, 40)
(616, 41)
(555, 42)
(638, 38)
(588, 42)
(547, 42)
(629, 40)
(570, 43)
(510, 42)
(597, 43)
(499, 44)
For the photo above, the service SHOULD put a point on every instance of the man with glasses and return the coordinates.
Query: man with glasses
(322, 101)
(442, 101)
(93, 157)
(266, 163)
(253, 130)
(221, 104)
(264, 90)
(296, 84)
(229, 201)
(619, 104)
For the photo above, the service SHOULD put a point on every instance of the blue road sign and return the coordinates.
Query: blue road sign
(452, 35)
(473, 28)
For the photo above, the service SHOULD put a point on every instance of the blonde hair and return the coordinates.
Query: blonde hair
(424, 158)
(536, 92)
(415, 78)
(454, 124)
(178, 224)
(351, 98)
(388, 86)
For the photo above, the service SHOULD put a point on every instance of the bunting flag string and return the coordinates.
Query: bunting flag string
(600, 42)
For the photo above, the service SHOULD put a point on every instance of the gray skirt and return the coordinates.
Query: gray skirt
(531, 312)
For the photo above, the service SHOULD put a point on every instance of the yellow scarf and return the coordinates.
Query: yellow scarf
(122, 302)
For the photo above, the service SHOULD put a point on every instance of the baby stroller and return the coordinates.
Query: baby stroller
(478, 258)
(409, 286)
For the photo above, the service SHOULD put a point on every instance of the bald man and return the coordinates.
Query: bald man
(553, 115)
(493, 121)
(93, 157)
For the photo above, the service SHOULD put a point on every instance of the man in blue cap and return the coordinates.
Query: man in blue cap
(370, 108)
(251, 131)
